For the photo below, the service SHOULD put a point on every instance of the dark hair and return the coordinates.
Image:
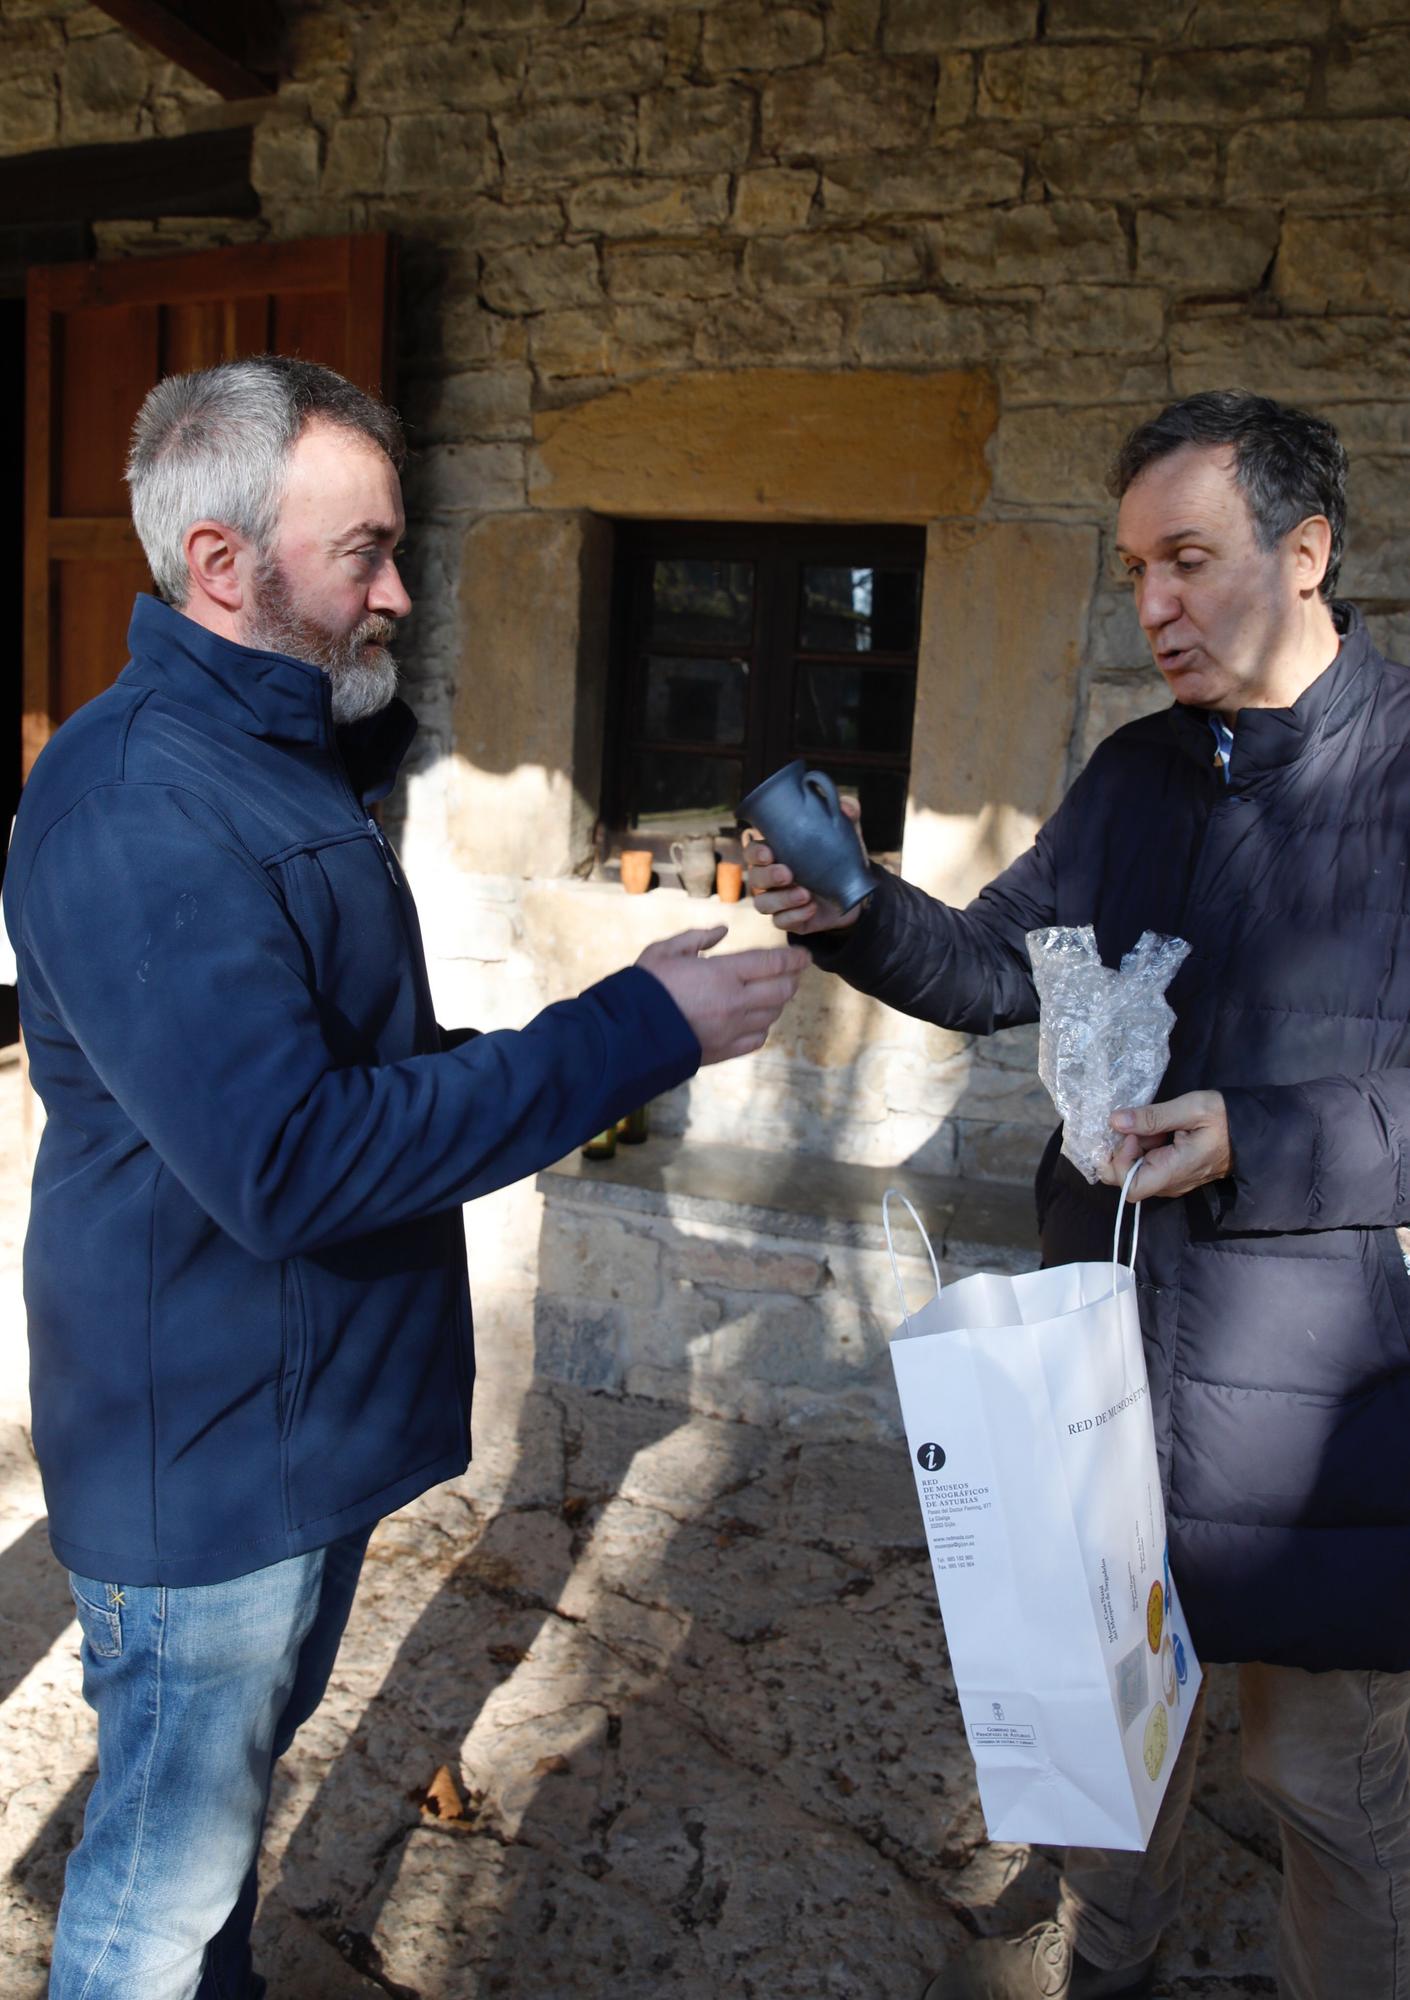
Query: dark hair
(1289, 463)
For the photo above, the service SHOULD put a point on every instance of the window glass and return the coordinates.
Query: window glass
(853, 708)
(676, 791)
(701, 602)
(695, 700)
(858, 610)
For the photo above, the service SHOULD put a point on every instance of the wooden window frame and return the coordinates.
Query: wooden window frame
(779, 553)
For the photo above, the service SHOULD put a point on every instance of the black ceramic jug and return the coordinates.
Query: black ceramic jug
(801, 817)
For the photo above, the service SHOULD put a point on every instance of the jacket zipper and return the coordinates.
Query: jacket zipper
(384, 848)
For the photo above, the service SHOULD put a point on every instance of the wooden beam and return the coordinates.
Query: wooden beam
(213, 51)
(50, 243)
(200, 173)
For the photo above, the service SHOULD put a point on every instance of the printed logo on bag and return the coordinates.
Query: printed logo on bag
(930, 1457)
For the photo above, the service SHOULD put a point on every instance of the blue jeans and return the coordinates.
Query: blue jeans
(197, 1692)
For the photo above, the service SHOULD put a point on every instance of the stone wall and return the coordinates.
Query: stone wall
(1073, 209)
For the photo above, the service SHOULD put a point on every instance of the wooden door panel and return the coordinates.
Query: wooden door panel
(98, 337)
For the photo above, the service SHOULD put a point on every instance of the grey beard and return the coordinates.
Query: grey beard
(362, 671)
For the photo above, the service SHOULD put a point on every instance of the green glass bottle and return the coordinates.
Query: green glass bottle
(635, 1127)
(603, 1146)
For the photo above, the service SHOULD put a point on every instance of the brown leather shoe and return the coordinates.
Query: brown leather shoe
(1040, 1965)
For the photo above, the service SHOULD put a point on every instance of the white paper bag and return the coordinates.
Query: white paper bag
(1027, 1413)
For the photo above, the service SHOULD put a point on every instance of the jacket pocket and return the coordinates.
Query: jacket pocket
(99, 1608)
(294, 1343)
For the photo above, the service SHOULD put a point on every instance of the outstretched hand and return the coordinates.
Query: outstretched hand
(1182, 1144)
(730, 1002)
(778, 895)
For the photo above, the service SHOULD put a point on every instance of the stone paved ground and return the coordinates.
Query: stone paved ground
(689, 1677)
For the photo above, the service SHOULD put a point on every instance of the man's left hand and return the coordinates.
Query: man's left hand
(1183, 1144)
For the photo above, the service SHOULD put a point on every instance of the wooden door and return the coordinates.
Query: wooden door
(98, 337)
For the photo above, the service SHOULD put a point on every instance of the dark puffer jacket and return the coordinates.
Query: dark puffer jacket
(1275, 1305)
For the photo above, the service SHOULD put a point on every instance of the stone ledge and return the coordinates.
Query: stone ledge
(806, 1199)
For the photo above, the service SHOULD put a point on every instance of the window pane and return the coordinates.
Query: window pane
(695, 701)
(853, 708)
(858, 610)
(709, 603)
(882, 795)
(674, 790)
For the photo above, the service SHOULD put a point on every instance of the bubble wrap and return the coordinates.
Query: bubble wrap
(1103, 1036)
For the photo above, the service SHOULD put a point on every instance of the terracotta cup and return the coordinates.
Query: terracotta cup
(729, 881)
(636, 870)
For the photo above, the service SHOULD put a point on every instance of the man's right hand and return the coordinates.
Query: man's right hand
(730, 1002)
(778, 895)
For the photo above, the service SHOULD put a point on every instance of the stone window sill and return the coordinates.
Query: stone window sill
(979, 1224)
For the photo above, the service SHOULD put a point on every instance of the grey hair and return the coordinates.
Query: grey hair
(215, 445)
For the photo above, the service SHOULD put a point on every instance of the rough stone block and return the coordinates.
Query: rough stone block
(560, 143)
(828, 261)
(1059, 456)
(1061, 86)
(32, 47)
(1353, 263)
(955, 88)
(1303, 358)
(595, 64)
(1101, 319)
(502, 17)
(1381, 487)
(574, 1343)
(923, 329)
(467, 479)
(771, 444)
(928, 26)
(842, 106)
(481, 404)
(1205, 250)
(1223, 86)
(1390, 631)
(591, 1256)
(1082, 378)
(105, 82)
(1377, 563)
(1375, 13)
(649, 206)
(852, 26)
(999, 1152)
(779, 331)
(29, 112)
(773, 200)
(1116, 638)
(956, 173)
(284, 159)
(636, 272)
(462, 75)
(1367, 427)
(1320, 163)
(436, 149)
(759, 35)
(647, 336)
(1117, 20)
(537, 278)
(1010, 598)
(568, 345)
(1230, 22)
(1370, 77)
(401, 21)
(357, 156)
(735, 1264)
(1031, 245)
(534, 591)
(697, 130)
(1161, 165)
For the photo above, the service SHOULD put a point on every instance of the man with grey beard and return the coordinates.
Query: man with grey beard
(249, 1314)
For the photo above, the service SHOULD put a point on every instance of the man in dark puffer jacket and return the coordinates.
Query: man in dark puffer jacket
(1264, 818)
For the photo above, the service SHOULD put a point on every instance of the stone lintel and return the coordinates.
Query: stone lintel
(773, 444)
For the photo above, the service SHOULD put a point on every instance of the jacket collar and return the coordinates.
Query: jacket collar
(1267, 740)
(267, 695)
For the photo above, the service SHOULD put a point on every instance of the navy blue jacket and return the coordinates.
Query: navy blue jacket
(245, 1269)
(1275, 1305)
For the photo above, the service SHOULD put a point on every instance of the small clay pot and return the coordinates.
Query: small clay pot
(636, 870)
(729, 881)
(695, 860)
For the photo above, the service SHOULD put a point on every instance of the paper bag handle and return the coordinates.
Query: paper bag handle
(1135, 1226)
(886, 1200)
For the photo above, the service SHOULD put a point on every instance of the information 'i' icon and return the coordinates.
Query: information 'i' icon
(930, 1457)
